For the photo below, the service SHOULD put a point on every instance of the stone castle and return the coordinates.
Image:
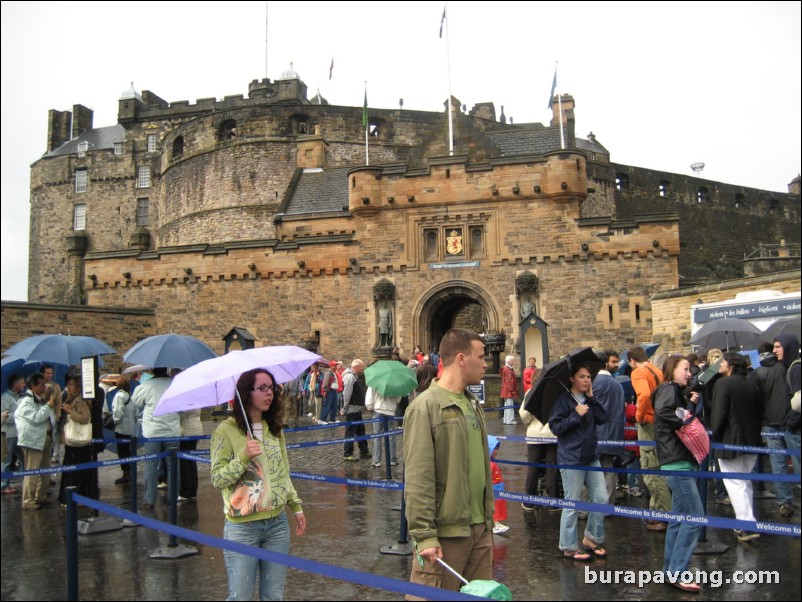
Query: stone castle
(264, 213)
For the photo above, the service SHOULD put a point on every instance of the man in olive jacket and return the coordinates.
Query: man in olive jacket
(448, 486)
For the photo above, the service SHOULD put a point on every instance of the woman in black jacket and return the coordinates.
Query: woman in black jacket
(736, 420)
(681, 538)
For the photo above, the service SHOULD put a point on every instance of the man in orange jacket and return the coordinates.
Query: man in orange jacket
(645, 379)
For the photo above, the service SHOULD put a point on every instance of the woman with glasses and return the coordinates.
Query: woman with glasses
(250, 467)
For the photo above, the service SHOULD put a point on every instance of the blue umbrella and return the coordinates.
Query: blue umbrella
(169, 351)
(58, 349)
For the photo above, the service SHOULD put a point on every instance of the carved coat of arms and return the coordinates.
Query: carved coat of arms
(454, 243)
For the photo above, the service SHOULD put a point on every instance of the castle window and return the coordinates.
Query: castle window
(774, 205)
(299, 124)
(740, 201)
(81, 178)
(663, 187)
(621, 181)
(142, 209)
(82, 148)
(118, 148)
(79, 217)
(430, 241)
(477, 248)
(702, 195)
(373, 130)
(178, 148)
(143, 177)
(152, 140)
(228, 130)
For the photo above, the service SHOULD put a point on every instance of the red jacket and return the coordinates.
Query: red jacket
(509, 383)
(530, 376)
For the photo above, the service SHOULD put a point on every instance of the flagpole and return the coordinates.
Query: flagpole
(448, 59)
(266, 65)
(366, 123)
(555, 88)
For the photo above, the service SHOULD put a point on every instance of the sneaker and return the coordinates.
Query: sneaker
(786, 510)
(499, 528)
(393, 463)
(725, 501)
(377, 465)
(309, 415)
(121, 480)
(161, 486)
(181, 498)
(322, 422)
(350, 459)
(528, 507)
(745, 535)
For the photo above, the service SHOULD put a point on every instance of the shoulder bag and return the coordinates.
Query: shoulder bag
(77, 435)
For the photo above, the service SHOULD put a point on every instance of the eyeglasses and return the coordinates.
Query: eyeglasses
(264, 388)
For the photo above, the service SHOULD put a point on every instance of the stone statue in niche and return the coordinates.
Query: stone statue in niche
(385, 326)
(527, 307)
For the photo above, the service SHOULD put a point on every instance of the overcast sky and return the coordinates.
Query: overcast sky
(661, 84)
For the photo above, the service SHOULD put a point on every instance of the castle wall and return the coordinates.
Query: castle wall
(120, 327)
(716, 234)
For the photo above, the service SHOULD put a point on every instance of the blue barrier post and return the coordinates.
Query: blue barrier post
(172, 494)
(385, 429)
(72, 546)
(132, 471)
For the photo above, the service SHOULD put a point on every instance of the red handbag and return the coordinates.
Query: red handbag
(694, 436)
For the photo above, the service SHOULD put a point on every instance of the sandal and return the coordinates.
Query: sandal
(579, 555)
(597, 551)
(688, 587)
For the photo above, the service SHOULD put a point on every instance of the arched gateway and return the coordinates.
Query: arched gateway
(454, 303)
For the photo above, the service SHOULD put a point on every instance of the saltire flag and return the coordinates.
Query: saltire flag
(365, 111)
(331, 69)
(553, 88)
(442, 20)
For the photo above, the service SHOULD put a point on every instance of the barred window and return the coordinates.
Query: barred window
(79, 217)
(82, 148)
(152, 139)
(142, 206)
(143, 177)
(81, 178)
(118, 148)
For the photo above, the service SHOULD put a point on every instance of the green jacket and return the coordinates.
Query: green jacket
(230, 462)
(436, 468)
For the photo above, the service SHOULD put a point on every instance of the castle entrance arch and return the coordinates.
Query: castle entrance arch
(453, 304)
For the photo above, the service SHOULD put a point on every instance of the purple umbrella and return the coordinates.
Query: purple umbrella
(213, 382)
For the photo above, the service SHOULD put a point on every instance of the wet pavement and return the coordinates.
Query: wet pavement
(346, 527)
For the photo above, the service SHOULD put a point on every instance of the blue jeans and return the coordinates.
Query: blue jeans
(329, 413)
(378, 444)
(269, 534)
(792, 441)
(152, 466)
(681, 538)
(597, 493)
(779, 463)
(11, 451)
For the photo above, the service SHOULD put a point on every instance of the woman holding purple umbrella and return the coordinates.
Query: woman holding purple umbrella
(250, 467)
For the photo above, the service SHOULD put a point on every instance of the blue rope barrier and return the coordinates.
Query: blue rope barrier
(309, 566)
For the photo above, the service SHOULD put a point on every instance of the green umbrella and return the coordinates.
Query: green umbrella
(391, 378)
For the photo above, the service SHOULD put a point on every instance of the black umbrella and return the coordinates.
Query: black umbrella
(788, 326)
(554, 378)
(727, 333)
